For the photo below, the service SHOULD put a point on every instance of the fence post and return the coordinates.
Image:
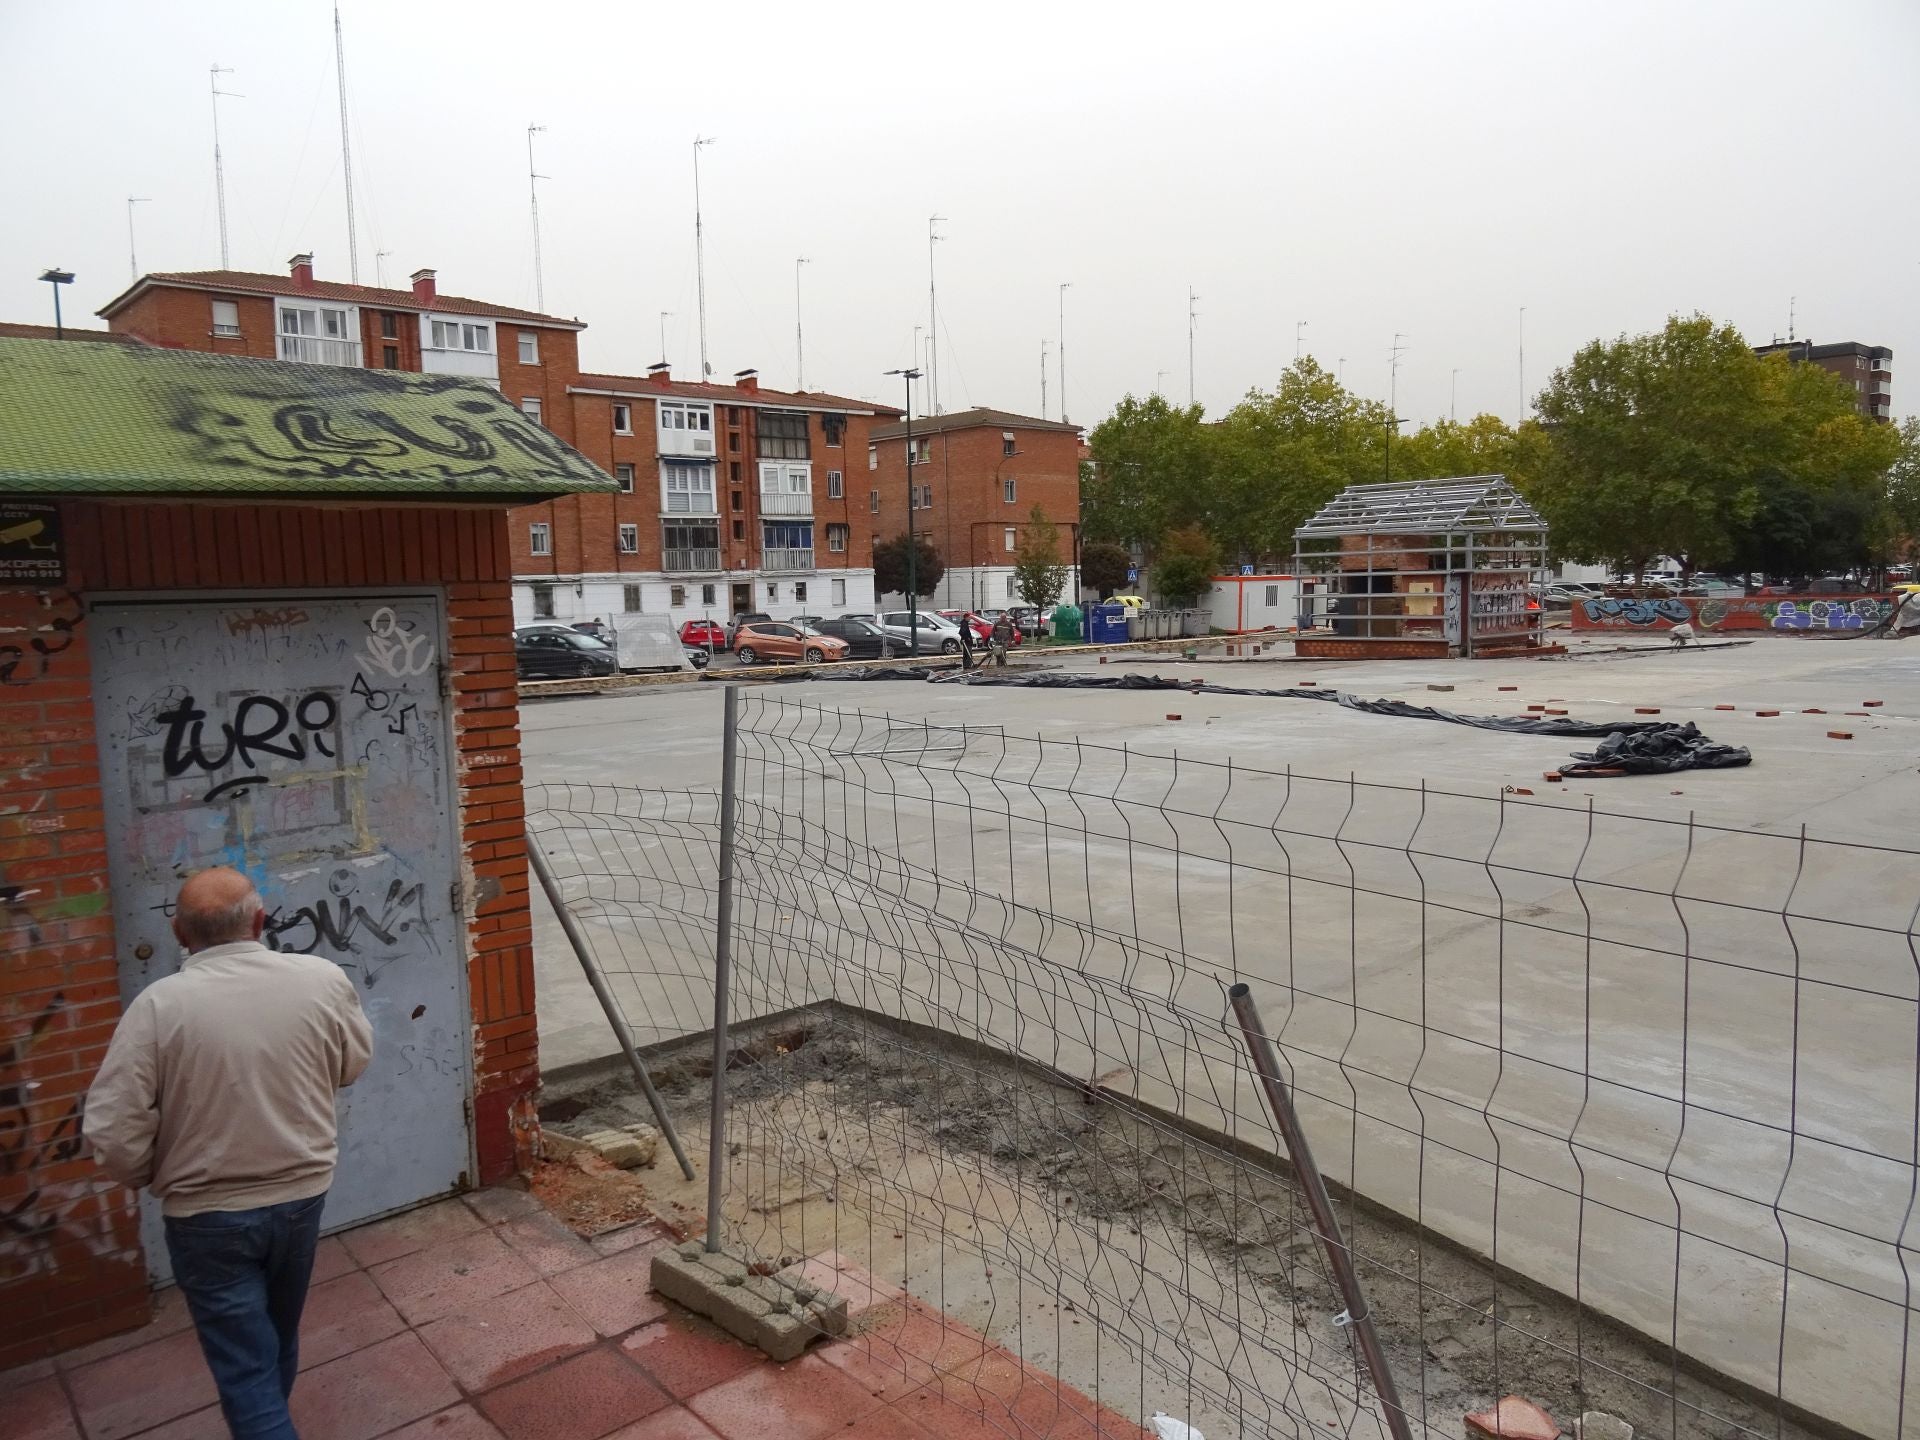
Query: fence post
(722, 965)
(537, 858)
(1266, 1062)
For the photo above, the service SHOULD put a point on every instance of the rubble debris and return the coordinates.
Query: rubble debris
(1514, 1418)
(1599, 1425)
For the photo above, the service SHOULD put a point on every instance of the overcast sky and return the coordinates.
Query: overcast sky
(1421, 168)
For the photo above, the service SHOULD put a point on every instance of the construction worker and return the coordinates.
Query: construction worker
(1001, 637)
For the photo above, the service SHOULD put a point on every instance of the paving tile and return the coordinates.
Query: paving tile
(142, 1387)
(578, 1399)
(674, 1424)
(454, 1275)
(811, 1398)
(833, 1272)
(331, 1261)
(613, 1294)
(170, 1317)
(505, 1337)
(459, 1422)
(546, 1244)
(501, 1202)
(887, 1423)
(371, 1391)
(685, 1355)
(1011, 1398)
(207, 1424)
(612, 1242)
(23, 1375)
(342, 1315)
(398, 1235)
(881, 1367)
(39, 1411)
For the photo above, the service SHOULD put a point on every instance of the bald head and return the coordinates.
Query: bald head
(217, 907)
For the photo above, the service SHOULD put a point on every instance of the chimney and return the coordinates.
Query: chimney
(747, 379)
(301, 268)
(660, 373)
(424, 289)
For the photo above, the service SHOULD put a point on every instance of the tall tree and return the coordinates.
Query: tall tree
(1185, 564)
(1152, 470)
(1902, 518)
(1039, 574)
(1103, 567)
(890, 566)
(1484, 445)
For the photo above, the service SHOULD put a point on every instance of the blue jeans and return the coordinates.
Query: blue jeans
(244, 1274)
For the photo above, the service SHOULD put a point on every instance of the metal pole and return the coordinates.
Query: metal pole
(700, 255)
(543, 872)
(1267, 1062)
(722, 966)
(913, 549)
(533, 206)
(799, 339)
(346, 147)
(59, 330)
(1065, 285)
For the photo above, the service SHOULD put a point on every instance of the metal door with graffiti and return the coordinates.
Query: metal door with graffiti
(306, 742)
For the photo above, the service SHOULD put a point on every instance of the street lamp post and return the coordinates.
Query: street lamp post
(56, 278)
(913, 548)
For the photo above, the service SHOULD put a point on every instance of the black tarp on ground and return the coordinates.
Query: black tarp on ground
(1640, 747)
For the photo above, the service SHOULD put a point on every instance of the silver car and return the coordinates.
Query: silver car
(938, 635)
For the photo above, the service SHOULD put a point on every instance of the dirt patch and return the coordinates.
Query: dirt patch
(591, 1199)
(878, 1140)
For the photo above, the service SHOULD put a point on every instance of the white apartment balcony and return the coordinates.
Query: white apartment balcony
(786, 560)
(690, 502)
(689, 562)
(318, 350)
(780, 502)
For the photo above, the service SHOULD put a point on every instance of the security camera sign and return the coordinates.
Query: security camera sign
(32, 551)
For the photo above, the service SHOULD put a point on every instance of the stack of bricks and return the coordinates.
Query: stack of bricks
(70, 1262)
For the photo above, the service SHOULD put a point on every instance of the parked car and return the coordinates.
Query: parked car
(704, 633)
(598, 629)
(777, 640)
(746, 617)
(989, 617)
(980, 622)
(1032, 621)
(945, 636)
(540, 653)
(865, 640)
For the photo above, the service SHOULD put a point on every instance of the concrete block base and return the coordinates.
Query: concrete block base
(776, 1314)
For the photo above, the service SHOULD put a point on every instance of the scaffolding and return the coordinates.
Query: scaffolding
(1442, 567)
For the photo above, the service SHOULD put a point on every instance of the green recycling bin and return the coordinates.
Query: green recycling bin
(1066, 622)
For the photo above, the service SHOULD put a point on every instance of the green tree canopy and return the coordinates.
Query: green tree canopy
(1039, 574)
(1184, 566)
(1484, 445)
(890, 567)
(1152, 471)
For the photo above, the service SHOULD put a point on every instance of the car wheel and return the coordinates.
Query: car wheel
(815, 656)
(747, 657)
(950, 647)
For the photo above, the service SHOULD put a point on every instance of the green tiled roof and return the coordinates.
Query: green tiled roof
(81, 418)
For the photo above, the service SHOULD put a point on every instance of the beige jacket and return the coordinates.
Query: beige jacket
(217, 1091)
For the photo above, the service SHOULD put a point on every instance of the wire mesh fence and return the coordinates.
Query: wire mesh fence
(1620, 1112)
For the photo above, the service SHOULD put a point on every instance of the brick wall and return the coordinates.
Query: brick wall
(183, 320)
(70, 1264)
(968, 470)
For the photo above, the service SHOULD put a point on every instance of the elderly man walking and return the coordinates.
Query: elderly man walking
(217, 1095)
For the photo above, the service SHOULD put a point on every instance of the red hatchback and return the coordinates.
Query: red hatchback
(704, 633)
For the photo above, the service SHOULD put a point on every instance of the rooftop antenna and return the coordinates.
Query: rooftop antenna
(1340, 371)
(214, 72)
(1453, 400)
(665, 315)
(1065, 285)
(799, 343)
(534, 177)
(1159, 379)
(1792, 300)
(1192, 315)
(1523, 364)
(346, 148)
(1393, 395)
(700, 252)
(379, 270)
(1043, 379)
(933, 320)
(1299, 329)
(133, 251)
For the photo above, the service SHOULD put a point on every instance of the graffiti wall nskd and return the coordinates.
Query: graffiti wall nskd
(1735, 612)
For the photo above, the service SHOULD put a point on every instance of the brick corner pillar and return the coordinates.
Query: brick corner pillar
(71, 1266)
(493, 814)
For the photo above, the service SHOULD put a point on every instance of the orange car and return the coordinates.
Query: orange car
(771, 640)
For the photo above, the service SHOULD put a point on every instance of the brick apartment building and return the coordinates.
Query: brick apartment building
(977, 475)
(1868, 368)
(731, 497)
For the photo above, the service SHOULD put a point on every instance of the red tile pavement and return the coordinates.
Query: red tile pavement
(445, 1324)
(371, 1391)
(685, 1355)
(613, 1294)
(139, 1388)
(811, 1398)
(507, 1336)
(833, 1272)
(344, 1314)
(578, 1399)
(454, 1275)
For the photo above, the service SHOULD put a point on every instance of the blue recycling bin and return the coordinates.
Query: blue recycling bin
(1107, 624)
